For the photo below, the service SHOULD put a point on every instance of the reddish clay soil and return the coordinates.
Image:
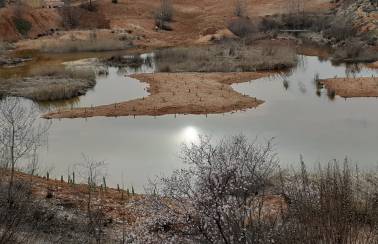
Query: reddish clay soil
(42, 20)
(75, 195)
(177, 93)
(353, 87)
(117, 205)
(194, 20)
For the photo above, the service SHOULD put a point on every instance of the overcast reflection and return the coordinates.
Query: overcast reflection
(302, 119)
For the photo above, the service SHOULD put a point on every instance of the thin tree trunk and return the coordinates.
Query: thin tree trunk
(10, 195)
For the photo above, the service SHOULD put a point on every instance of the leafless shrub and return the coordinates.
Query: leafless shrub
(93, 171)
(165, 11)
(333, 205)
(341, 29)
(89, 6)
(296, 21)
(84, 46)
(20, 133)
(36, 220)
(218, 198)
(134, 61)
(224, 57)
(242, 27)
(354, 52)
(11, 216)
(70, 16)
(164, 15)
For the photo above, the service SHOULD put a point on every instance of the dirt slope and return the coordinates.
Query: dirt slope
(42, 21)
(192, 19)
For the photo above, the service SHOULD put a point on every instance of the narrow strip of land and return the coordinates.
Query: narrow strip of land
(374, 65)
(177, 93)
(353, 87)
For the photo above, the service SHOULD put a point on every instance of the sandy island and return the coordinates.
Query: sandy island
(353, 87)
(177, 93)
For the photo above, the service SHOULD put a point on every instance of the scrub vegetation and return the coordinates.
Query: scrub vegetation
(49, 84)
(230, 192)
(225, 57)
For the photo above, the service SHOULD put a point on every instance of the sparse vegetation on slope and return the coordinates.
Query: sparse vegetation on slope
(23, 26)
(231, 193)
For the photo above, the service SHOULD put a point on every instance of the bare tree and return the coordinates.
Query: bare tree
(219, 197)
(93, 171)
(20, 133)
(164, 14)
(71, 17)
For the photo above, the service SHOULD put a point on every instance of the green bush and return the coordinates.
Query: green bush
(22, 25)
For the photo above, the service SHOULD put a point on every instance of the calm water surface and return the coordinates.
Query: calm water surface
(301, 121)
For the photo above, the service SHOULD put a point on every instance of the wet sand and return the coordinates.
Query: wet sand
(177, 93)
(353, 87)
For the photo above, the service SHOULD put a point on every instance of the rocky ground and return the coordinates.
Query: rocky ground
(363, 13)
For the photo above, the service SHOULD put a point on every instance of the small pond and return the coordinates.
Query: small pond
(302, 120)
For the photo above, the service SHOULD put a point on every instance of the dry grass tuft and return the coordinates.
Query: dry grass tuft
(98, 45)
(228, 57)
(50, 84)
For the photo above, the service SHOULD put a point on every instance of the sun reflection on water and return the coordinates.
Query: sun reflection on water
(189, 134)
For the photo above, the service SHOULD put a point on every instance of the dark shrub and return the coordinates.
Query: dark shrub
(330, 206)
(242, 27)
(71, 17)
(165, 12)
(22, 25)
(340, 30)
(92, 7)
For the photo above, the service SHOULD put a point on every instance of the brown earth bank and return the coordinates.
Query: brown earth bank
(352, 87)
(373, 65)
(124, 212)
(177, 93)
(74, 195)
(42, 21)
(193, 20)
(66, 206)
